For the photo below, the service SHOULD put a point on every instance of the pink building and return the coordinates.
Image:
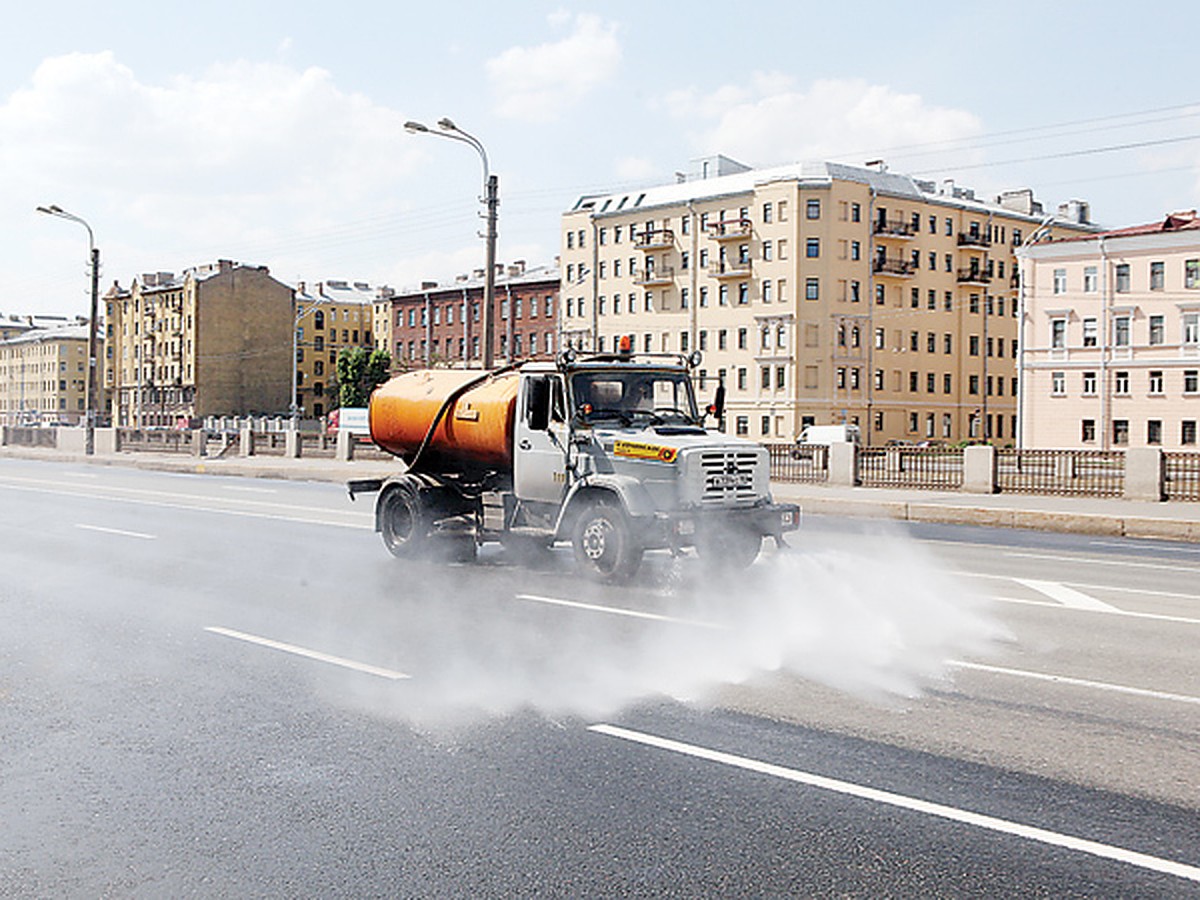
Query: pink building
(1110, 343)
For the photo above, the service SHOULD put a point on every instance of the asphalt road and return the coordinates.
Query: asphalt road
(225, 687)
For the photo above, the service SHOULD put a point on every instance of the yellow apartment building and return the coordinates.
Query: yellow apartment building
(43, 375)
(331, 316)
(214, 341)
(1111, 352)
(818, 293)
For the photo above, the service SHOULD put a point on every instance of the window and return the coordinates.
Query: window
(1060, 281)
(765, 377)
(912, 382)
(1154, 431)
(1089, 383)
(947, 383)
(855, 291)
(781, 377)
(880, 338)
(1058, 384)
(766, 213)
(1191, 273)
(1123, 278)
(930, 382)
(1156, 381)
(1157, 330)
(1191, 381)
(1089, 332)
(1187, 431)
(1191, 328)
(766, 291)
(767, 251)
(947, 343)
(931, 343)
(741, 379)
(742, 425)
(855, 250)
(1120, 431)
(1157, 275)
(812, 289)
(855, 212)
(973, 345)
(1087, 431)
(812, 209)
(1121, 331)
(812, 248)
(741, 342)
(723, 295)
(1121, 383)
(1089, 279)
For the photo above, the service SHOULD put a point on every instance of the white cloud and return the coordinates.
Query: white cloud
(773, 120)
(537, 83)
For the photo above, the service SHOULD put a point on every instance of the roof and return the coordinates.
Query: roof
(42, 335)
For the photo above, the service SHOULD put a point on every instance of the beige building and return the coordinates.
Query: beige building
(818, 293)
(331, 316)
(215, 341)
(1111, 353)
(43, 375)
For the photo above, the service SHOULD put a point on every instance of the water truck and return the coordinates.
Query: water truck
(606, 451)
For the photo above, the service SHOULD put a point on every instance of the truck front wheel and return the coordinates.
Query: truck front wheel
(728, 547)
(605, 546)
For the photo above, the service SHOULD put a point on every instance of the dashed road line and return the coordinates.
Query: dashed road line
(118, 531)
(1076, 682)
(308, 654)
(617, 611)
(874, 795)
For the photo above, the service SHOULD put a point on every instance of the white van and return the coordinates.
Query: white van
(829, 434)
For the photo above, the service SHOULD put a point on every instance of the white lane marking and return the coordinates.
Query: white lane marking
(617, 611)
(966, 817)
(1097, 561)
(198, 504)
(79, 474)
(1068, 597)
(1155, 617)
(1076, 682)
(249, 490)
(1090, 587)
(309, 654)
(1158, 548)
(133, 534)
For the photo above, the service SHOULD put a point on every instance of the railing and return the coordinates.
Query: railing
(729, 230)
(974, 276)
(658, 239)
(892, 267)
(896, 228)
(1091, 473)
(657, 275)
(23, 436)
(318, 445)
(1181, 476)
(156, 440)
(799, 463)
(733, 268)
(269, 443)
(937, 468)
(967, 239)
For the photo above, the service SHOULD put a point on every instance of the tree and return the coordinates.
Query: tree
(359, 372)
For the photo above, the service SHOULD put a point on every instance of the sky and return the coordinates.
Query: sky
(273, 133)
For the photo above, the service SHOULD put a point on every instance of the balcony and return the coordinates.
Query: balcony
(974, 276)
(973, 239)
(730, 269)
(731, 230)
(894, 268)
(896, 229)
(650, 277)
(658, 239)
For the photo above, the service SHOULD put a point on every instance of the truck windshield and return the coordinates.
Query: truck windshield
(659, 397)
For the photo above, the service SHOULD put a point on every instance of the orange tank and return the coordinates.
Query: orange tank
(475, 433)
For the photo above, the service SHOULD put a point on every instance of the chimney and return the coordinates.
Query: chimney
(428, 285)
(300, 287)
(224, 266)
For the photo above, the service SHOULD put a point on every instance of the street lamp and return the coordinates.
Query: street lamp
(89, 446)
(491, 197)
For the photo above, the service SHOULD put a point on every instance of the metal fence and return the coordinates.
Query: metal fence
(1181, 476)
(913, 467)
(157, 440)
(21, 436)
(808, 463)
(1091, 473)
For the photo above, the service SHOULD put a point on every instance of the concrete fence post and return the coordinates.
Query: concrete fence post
(345, 446)
(1145, 474)
(199, 442)
(843, 464)
(106, 440)
(70, 440)
(291, 444)
(979, 469)
(246, 441)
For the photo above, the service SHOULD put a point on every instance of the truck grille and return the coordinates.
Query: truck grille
(728, 477)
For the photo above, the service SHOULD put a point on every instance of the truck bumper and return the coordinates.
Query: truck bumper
(678, 529)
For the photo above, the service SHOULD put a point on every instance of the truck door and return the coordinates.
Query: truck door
(539, 467)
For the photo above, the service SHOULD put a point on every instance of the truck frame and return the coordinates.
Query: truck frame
(610, 453)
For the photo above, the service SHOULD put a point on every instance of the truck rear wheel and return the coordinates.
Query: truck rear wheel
(605, 546)
(403, 522)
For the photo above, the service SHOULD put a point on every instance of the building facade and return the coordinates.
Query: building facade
(43, 375)
(441, 325)
(215, 341)
(1111, 353)
(817, 293)
(331, 316)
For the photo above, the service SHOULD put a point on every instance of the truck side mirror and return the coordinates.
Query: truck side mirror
(716, 409)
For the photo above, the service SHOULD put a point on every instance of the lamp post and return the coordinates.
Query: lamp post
(94, 256)
(491, 198)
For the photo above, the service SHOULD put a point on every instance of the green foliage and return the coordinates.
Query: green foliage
(359, 372)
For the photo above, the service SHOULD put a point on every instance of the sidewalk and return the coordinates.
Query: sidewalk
(1080, 515)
